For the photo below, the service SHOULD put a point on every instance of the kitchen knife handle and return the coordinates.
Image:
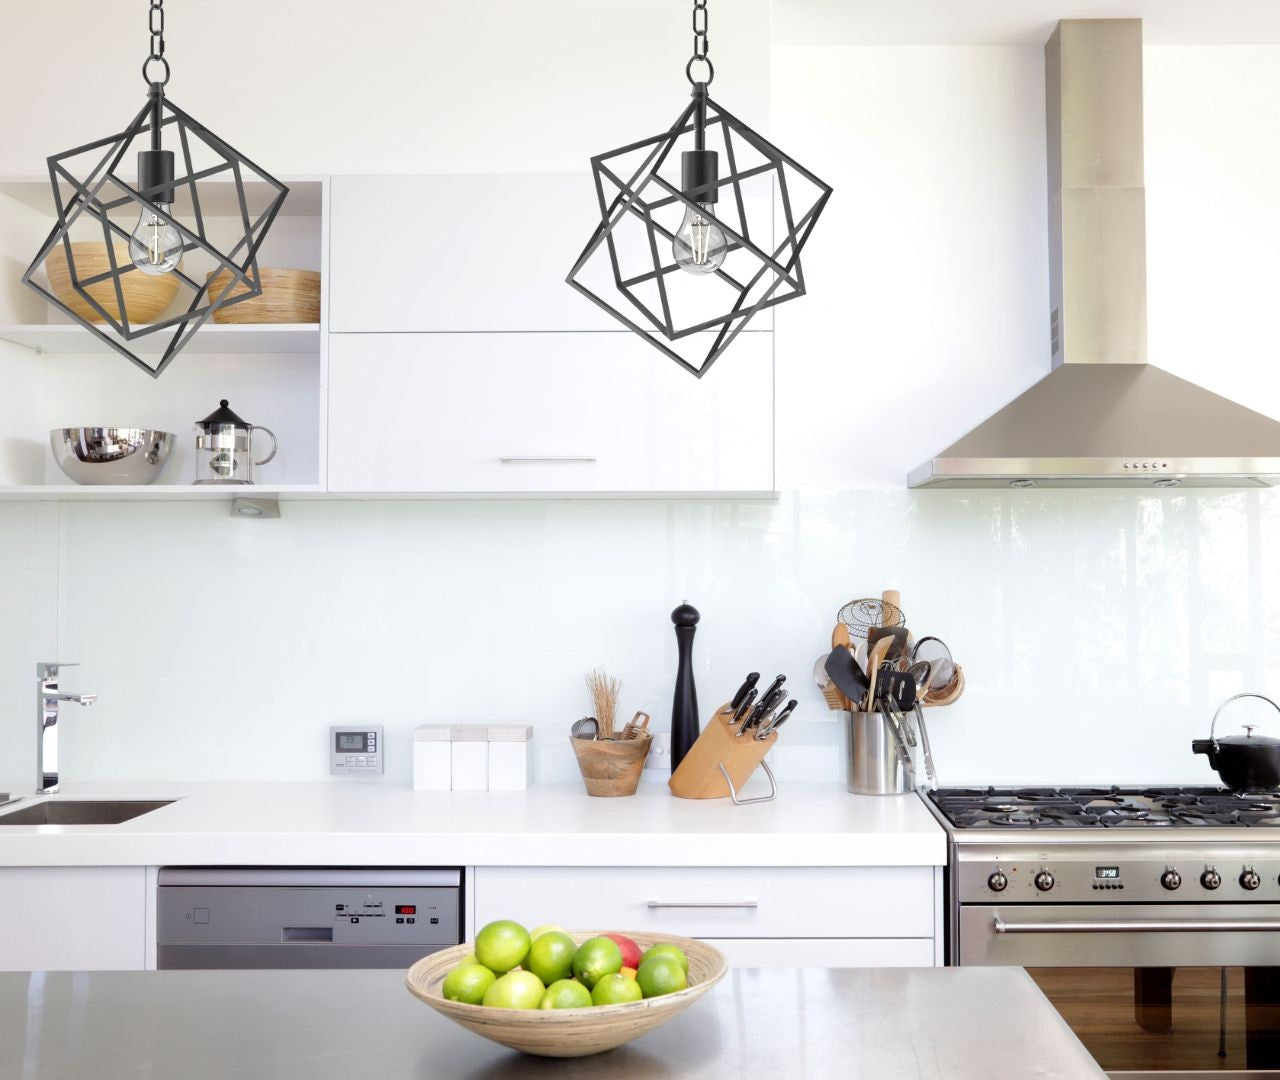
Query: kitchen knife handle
(726, 904)
(747, 683)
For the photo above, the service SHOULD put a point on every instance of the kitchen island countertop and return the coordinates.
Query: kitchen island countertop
(388, 824)
(768, 1023)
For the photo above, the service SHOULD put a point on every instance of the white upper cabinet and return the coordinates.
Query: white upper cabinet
(486, 253)
(545, 413)
(460, 253)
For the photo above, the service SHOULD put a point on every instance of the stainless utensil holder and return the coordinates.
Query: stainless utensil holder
(874, 762)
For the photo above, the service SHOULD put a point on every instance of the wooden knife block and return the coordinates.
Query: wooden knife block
(698, 776)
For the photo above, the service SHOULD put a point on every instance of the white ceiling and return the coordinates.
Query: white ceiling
(1017, 22)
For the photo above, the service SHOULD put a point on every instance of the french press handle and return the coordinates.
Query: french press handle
(274, 445)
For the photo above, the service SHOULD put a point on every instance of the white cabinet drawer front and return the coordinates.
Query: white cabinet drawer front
(533, 413)
(720, 902)
(826, 952)
(60, 918)
(442, 253)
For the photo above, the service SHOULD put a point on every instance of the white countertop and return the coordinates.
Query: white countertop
(382, 823)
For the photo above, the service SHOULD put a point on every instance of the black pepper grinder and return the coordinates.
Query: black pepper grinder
(684, 707)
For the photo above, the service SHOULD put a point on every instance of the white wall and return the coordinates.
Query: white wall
(1097, 630)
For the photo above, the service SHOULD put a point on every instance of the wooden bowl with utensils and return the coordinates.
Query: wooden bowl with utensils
(567, 1033)
(612, 767)
(288, 296)
(146, 296)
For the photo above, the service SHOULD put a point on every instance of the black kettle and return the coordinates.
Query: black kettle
(1245, 762)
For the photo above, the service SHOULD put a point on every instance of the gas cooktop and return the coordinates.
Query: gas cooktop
(1105, 807)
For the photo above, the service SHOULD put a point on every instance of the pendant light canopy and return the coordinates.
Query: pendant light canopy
(199, 198)
(691, 245)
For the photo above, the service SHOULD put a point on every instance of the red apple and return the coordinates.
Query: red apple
(631, 952)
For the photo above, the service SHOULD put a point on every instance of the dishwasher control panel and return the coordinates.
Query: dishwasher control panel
(355, 751)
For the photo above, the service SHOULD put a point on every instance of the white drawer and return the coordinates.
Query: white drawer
(826, 952)
(717, 902)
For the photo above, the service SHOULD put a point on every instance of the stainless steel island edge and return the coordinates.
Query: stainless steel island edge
(759, 1024)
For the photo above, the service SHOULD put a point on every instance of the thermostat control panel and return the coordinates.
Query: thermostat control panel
(355, 751)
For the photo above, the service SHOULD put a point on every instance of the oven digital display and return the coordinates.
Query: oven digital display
(350, 742)
(1106, 871)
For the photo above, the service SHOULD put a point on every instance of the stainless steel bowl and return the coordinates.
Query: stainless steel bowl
(111, 455)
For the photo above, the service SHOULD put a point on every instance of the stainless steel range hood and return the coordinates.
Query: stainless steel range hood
(1104, 417)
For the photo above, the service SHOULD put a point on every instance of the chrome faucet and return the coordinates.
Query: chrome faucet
(48, 697)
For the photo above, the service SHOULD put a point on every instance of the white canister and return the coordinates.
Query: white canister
(509, 757)
(432, 757)
(470, 757)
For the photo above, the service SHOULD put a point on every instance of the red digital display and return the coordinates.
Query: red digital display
(406, 909)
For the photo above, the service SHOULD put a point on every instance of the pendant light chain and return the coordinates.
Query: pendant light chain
(155, 24)
(701, 45)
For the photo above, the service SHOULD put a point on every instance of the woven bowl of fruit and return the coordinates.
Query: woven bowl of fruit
(559, 993)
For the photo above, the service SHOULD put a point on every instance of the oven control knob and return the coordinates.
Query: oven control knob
(1171, 879)
(1211, 879)
(1044, 881)
(997, 882)
(1250, 880)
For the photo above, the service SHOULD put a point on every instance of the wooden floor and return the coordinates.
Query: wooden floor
(1098, 1005)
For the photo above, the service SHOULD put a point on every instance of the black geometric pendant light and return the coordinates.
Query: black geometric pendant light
(166, 214)
(691, 246)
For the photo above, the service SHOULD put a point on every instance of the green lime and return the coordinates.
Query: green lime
(673, 951)
(660, 975)
(467, 983)
(551, 956)
(545, 928)
(515, 990)
(596, 957)
(615, 990)
(502, 945)
(565, 994)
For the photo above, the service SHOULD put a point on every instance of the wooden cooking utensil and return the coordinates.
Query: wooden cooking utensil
(875, 657)
(830, 691)
(891, 599)
(636, 726)
(840, 636)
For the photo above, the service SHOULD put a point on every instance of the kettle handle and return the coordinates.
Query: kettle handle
(1236, 697)
(274, 445)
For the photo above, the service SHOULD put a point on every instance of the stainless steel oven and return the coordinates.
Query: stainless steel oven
(1151, 919)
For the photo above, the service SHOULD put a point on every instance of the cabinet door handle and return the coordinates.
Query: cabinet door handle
(703, 904)
(570, 460)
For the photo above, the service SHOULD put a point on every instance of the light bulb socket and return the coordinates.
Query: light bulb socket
(155, 175)
(699, 174)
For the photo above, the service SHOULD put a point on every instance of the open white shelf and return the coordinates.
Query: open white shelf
(135, 492)
(212, 338)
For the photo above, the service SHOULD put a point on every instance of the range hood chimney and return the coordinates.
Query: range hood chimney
(1103, 416)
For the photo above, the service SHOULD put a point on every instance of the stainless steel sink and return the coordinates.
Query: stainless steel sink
(81, 812)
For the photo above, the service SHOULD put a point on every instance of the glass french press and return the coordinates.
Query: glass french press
(224, 448)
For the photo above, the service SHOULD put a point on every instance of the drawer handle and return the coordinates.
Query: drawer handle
(571, 460)
(704, 904)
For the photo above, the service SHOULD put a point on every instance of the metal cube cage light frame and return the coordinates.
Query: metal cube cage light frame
(102, 192)
(777, 275)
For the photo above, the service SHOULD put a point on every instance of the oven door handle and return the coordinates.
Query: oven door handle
(1137, 926)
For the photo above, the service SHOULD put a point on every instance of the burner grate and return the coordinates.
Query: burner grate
(1106, 808)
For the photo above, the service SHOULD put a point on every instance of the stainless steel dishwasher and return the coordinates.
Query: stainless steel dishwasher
(304, 917)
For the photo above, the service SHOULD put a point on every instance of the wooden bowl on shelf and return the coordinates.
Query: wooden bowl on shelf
(288, 296)
(611, 767)
(146, 296)
(566, 1033)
